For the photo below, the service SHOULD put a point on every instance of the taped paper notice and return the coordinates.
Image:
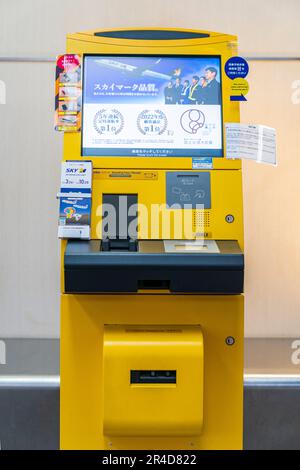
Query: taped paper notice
(251, 142)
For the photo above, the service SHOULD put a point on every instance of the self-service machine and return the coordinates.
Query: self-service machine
(151, 292)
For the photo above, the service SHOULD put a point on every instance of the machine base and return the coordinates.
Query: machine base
(83, 320)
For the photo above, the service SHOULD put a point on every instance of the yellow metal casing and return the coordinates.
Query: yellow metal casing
(83, 321)
(150, 186)
(152, 409)
(94, 328)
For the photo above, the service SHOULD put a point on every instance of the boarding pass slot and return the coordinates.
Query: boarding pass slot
(153, 376)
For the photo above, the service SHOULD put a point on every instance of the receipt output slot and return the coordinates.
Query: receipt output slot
(153, 380)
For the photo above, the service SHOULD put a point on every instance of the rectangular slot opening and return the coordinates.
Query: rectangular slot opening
(153, 284)
(187, 247)
(153, 376)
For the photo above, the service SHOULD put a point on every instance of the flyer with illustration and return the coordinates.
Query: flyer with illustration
(152, 106)
(74, 211)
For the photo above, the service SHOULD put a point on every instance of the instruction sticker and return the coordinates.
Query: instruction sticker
(237, 69)
(251, 142)
(202, 163)
(239, 88)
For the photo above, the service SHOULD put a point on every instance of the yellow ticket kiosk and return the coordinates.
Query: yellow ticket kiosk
(151, 303)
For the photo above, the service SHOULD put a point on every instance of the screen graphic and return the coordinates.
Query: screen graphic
(152, 106)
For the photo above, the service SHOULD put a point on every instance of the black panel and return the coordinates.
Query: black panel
(89, 270)
(156, 284)
(151, 34)
(121, 204)
(109, 244)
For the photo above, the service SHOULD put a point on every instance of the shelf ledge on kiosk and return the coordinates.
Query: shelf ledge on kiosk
(154, 266)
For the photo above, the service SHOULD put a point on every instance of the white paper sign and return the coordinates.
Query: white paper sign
(251, 142)
(82, 232)
(76, 175)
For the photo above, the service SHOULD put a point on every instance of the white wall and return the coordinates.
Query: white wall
(38, 27)
(30, 151)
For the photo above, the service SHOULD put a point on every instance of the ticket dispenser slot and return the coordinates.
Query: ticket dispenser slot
(153, 377)
(153, 380)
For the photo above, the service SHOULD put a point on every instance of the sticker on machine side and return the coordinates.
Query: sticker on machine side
(237, 69)
(202, 163)
(251, 142)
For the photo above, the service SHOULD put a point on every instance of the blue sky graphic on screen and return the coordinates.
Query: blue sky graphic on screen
(152, 106)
